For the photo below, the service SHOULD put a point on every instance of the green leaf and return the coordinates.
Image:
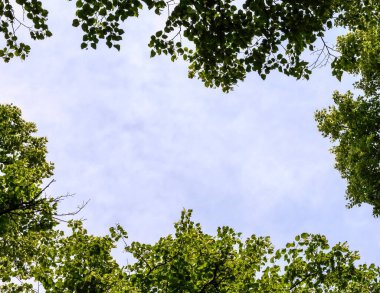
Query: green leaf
(75, 23)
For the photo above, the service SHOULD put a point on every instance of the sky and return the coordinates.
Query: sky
(141, 141)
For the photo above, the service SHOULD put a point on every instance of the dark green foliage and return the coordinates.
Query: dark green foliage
(32, 18)
(102, 19)
(225, 42)
(221, 40)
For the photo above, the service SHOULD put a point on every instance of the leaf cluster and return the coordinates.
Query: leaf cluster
(80, 263)
(27, 215)
(192, 261)
(228, 41)
(102, 19)
(23, 167)
(26, 15)
(359, 49)
(355, 124)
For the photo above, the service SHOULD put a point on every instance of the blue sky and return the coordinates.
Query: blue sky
(141, 141)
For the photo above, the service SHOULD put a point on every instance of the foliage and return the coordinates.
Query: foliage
(19, 253)
(220, 39)
(229, 41)
(27, 215)
(33, 18)
(32, 250)
(355, 125)
(80, 263)
(23, 167)
(193, 261)
(222, 42)
(360, 47)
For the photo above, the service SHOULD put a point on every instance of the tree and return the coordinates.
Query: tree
(359, 49)
(81, 262)
(34, 251)
(198, 262)
(27, 215)
(225, 40)
(355, 124)
(222, 42)
(192, 261)
(19, 254)
(23, 167)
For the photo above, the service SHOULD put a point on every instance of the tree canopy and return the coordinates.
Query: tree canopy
(198, 262)
(221, 40)
(36, 252)
(27, 215)
(355, 124)
(23, 167)
(191, 261)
